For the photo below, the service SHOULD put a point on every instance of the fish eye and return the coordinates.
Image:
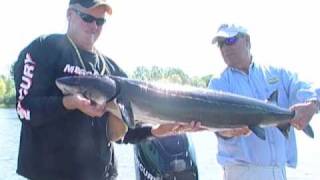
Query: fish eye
(93, 102)
(86, 94)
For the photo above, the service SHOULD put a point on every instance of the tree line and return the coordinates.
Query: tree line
(7, 91)
(170, 75)
(153, 74)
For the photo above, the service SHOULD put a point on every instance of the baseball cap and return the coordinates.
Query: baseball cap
(227, 31)
(92, 4)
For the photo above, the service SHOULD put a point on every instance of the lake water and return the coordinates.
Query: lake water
(205, 143)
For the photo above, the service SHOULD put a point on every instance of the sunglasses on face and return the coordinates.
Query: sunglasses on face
(229, 41)
(88, 18)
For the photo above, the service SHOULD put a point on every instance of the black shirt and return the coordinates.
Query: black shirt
(56, 143)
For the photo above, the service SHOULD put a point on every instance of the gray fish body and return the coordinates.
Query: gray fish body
(214, 109)
(151, 103)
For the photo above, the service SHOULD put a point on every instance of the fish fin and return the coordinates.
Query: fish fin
(285, 129)
(258, 131)
(308, 130)
(273, 98)
(126, 111)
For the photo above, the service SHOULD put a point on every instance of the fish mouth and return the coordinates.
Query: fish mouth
(65, 88)
(61, 86)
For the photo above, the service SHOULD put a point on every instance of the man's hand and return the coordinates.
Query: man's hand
(169, 129)
(303, 114)
(235, 132)
(79, 102)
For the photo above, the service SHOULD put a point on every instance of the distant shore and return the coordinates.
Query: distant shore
(4, 106)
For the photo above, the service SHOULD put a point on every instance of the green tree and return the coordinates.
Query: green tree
(156, 73)
(172, 75)
(7, 92)
(201, 81)
(170, 72)
(174, 78)
(2, 87)
(141, 73)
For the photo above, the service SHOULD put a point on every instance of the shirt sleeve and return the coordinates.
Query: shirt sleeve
(297, 89)
(136, 135)
(318, 97)
(34, 81)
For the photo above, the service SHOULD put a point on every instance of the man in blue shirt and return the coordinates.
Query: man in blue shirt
(241, 153)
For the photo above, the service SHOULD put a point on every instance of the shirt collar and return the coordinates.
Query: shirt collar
(251, 68)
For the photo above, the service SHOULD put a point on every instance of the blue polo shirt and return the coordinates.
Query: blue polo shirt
(260, 83)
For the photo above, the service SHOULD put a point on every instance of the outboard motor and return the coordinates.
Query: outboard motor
(167, 158)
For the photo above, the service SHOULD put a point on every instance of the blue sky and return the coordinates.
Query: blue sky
(178, 33)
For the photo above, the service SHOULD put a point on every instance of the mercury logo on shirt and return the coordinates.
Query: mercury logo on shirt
(69, 69)
(28, 68)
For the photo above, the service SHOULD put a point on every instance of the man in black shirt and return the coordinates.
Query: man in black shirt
(65, 137)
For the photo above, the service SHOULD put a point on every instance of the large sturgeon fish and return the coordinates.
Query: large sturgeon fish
(153, 103)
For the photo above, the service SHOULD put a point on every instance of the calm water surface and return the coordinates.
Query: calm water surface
(205, 143)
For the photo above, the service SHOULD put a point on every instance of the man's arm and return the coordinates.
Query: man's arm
(138, 134)
(34, 80)
(303, 96)
(304, 113)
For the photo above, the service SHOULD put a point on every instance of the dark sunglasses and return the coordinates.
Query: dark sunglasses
(229, 41)
(88, 18)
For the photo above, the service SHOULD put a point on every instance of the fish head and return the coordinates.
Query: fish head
(98, 89)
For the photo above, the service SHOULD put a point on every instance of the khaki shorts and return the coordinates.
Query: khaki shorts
(250, 172)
